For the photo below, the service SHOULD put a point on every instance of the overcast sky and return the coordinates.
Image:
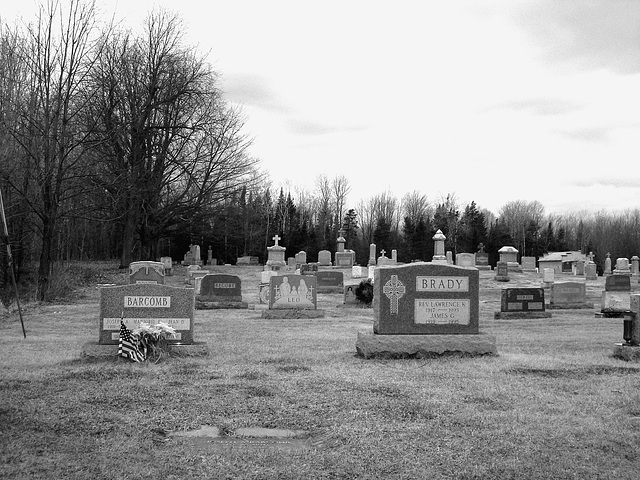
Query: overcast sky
(493, 100)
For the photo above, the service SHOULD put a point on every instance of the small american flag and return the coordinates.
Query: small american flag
(128, 345)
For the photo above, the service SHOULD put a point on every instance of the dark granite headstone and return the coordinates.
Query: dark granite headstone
(308, 268)
(220, 288)
(293, 292)
(330, 281)
(426, 299)
(350, 295)
(617, 283)
(522, 300)
(149, 303)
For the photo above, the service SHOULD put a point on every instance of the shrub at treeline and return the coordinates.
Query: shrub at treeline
(119, 144)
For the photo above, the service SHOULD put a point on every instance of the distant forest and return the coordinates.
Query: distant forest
(118, 144)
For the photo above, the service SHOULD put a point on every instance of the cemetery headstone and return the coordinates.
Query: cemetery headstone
(394, 256)
(466, 260)
(383, 259)
(622, 267)
(345, 259)
(248, 260)
(509, 255)
(220, 291)
(449, 256)
(607, 264)
(579, 268)
(359, 272)
(275, 255)
(293, 296)
(630, 349)
(590, 271)
(350, 295)
(324, 258)
(439, 255)
(502, 272)
(149, 303)
(371, 272)
(482, 258)
(616, 299)
(209, 256)
(301, 257)
(522, 303)
(167, 262)
(528, 264)
(308, 269)
(548, 276)
(192, 257)
(372, 254)
(330, 281)
(425, 309)
(569, 295)
(146, 272)
(635, 266)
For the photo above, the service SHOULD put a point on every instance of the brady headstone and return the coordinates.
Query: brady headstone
(146, 272)
(423, 309)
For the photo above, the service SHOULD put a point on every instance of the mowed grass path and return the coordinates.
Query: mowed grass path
(552, 404)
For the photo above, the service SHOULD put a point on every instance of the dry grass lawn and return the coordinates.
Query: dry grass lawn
(552, 404)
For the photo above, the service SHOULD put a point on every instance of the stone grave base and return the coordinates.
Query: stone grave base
(220, 305)
(571, 306)
(501, 278)
(293, 313)
(630, 353)
(94, 349)
(508, 315)
(483, 267)
(424, 346)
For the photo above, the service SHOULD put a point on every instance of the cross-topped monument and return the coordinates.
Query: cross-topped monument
(275, 255)
(394, 290)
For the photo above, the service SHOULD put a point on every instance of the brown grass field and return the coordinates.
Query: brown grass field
(553, 404)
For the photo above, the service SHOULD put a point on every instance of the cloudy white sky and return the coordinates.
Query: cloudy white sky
(493, 100)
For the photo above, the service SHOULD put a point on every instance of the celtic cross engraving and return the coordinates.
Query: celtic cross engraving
(394, 290)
